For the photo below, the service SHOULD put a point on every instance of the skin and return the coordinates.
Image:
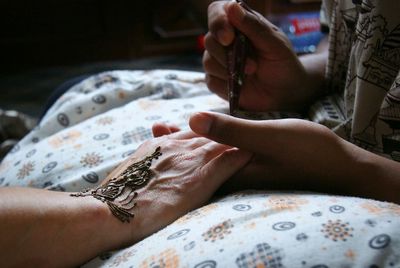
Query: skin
(275, 154)
(276, 78)
(36, 224)
(288, 155)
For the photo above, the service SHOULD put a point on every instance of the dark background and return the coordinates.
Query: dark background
(45, 42)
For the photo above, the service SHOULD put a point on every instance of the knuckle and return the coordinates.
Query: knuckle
(168, 145)
(218, 23)
(206, 151)
(210, 82)
(208, 41)
(215, 8)
(212, 7)
(207, 62)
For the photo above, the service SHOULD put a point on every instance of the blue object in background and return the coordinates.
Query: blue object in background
(303, 30)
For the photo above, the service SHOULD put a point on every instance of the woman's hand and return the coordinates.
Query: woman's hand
(296, 154)
(276, 78)
(184, 177)
(42, 228)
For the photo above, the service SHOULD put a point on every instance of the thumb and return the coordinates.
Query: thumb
(248, 135)
(259, 30)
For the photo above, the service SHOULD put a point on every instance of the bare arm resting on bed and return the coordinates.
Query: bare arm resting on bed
(42, 228)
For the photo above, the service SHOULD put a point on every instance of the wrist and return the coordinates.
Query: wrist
(52, 229)
(85, 231)
(379, 178)
(96, 221)
(314, 65)
(148, 217)
(374, 176)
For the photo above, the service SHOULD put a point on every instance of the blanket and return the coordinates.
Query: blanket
(99, 122)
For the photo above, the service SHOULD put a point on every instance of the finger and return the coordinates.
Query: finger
(259, 30)
(218, 23)
(194, 143)
(250, 67)
(164, 128)
(249, 135)
(217, 86)
(225, 165)
(213, 67)
(215, 49)
(160, 129)
(183, 135)
(174, 128)
(211, 149)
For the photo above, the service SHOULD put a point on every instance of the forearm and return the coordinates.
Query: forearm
(315, 65)
(41, 228)
(52, 229)
(374, 176)
(345, 168)
(301, 155)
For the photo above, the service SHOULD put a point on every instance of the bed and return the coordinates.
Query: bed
(102, 120)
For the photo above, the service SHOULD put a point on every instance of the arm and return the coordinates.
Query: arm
(52, 229)
(301, 155)
(276, 78)
(315, 65)
(41, 228)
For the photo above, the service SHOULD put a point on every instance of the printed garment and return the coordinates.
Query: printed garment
(363, 74)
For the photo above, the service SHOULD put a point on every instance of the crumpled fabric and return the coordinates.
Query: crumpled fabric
(14, 126)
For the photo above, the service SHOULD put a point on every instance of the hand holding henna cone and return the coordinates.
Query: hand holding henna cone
(236, 60)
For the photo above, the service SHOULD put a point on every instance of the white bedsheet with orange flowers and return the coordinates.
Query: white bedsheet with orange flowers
(99, 122)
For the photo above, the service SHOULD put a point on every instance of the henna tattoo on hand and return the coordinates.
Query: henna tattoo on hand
(119, 192)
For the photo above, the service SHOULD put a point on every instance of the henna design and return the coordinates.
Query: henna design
(119, 192)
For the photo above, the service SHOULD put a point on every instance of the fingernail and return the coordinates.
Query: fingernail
(222, 37)
(201, 123)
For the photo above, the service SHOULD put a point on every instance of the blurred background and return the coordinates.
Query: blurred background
(45, 43)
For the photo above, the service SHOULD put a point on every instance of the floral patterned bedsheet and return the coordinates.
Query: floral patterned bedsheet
(270, 229)
(99, 122)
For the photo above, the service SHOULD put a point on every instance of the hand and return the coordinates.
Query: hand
(52, 229)
(276, 78)
(296, 154)
(185, 176)
(161, 129)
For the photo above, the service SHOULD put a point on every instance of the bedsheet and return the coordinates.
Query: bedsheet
(99, 122)
(271, 229)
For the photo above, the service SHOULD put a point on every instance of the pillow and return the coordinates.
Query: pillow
(271, 229)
